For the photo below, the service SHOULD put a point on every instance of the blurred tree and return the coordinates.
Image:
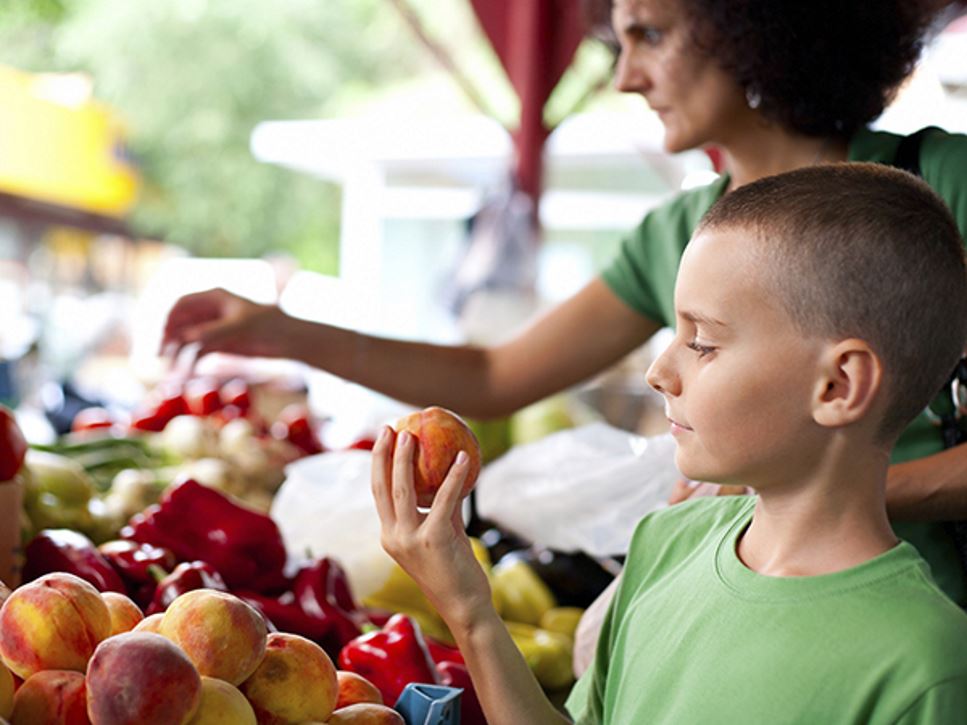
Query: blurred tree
(191, 78)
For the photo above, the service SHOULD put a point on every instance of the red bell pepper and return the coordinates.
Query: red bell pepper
(203, 396)
(92, 418)
(453, 673)
(362, 444)
(132, 560)
(286, 615)
(319, 607)
(322, 590)
(197, 522)
(148, 422)
(236, 392)
(70, 551)
(13, 445)
(294, 425)
(443, 652)
(186, 577)
(391, 658)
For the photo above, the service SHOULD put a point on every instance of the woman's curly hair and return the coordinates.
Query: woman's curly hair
(820, 67)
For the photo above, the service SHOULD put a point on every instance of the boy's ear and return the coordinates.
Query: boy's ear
(851, 376)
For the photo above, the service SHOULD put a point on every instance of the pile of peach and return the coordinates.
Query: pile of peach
(71, 655)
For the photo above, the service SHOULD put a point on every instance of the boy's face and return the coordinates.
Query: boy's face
(738, 379)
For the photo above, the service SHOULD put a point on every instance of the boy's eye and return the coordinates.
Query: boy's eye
(702, 350)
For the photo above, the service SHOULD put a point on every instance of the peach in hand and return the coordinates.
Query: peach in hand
(222, 704)
(366, 713)
(141, 678)
(125, 614)
(52, 697)
(222, 635)
(295, 682)
(52, 623)
(440, 436)
(354, 688)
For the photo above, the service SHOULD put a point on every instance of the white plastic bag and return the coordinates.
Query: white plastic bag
(582, 489)
(326, 507)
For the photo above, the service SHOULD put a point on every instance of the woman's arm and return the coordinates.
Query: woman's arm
(434, 549)
(933, 488)
(571, 342)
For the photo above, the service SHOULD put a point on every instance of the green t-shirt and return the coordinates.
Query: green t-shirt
(693, 636)
(643, 276)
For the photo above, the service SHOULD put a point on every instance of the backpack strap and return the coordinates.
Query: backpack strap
(908, 151)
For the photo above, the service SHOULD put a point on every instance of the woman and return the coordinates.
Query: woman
(775, 86)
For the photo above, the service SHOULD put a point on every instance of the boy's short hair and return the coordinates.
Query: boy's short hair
(864, 251)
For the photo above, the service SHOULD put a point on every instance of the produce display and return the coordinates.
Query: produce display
(189, 609)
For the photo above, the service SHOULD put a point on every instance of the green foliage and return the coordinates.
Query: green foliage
(192, 78)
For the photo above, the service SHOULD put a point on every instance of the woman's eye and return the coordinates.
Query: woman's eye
(643, 34)
(702, 350)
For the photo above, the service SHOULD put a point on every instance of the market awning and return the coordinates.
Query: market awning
(535, 41)
(62, 155)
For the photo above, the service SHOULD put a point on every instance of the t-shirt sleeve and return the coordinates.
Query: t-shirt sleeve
(943, 161)
(643, 273)
(942, 704)
(630, 274)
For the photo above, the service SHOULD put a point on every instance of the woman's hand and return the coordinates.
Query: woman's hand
(431, 547)
(219, 321)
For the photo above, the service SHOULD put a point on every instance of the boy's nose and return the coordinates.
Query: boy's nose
(661, 376)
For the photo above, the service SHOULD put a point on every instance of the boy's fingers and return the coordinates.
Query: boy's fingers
(450, 495)
(404, 496)
(382, 476)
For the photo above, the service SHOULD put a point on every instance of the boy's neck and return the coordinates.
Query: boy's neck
(833, 519)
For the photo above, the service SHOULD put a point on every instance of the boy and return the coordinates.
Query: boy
(817, 313)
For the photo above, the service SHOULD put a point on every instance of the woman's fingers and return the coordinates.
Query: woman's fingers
(382, 476)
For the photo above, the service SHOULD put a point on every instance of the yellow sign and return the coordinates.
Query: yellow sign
(59, 145)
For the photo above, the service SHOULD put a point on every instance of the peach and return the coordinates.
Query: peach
(52, 623)
(52, 697)
(295, 682)
(143, 678)
(222, 635)
(222, 704)
(6, 692)
(125, 614)
(151, 623)
(440, 435)
(355, 688)
(366, 713)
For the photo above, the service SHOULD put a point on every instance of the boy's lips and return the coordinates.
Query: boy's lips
(676, 426)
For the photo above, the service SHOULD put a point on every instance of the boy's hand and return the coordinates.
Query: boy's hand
(431, 547)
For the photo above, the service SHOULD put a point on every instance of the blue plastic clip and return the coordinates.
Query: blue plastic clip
(429, 704)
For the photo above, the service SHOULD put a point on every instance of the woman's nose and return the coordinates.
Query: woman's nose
(629, 74)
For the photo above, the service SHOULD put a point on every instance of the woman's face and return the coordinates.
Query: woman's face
(697, 101)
